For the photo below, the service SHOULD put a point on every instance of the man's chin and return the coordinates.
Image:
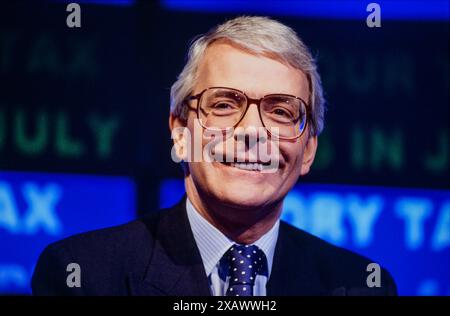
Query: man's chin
(243, 198)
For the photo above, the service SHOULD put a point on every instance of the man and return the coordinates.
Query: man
(253, 84)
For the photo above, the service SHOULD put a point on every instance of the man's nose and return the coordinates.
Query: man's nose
(251, 117)
(250, 128)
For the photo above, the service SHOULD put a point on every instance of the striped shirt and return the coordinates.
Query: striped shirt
(213, 244)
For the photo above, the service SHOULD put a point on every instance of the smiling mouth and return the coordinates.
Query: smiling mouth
(249, 166)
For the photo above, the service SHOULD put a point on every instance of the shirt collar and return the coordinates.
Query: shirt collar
(212, 243)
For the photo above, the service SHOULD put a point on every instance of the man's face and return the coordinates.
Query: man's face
(225, 65)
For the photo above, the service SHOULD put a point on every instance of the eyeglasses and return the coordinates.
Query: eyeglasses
(283, 115)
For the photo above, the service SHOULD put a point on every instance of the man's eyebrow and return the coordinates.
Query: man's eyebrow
(224, 93)
(279, 97)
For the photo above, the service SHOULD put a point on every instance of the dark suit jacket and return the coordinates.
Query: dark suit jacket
(157, 255)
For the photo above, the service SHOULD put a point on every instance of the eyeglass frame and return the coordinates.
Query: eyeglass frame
(249, 100)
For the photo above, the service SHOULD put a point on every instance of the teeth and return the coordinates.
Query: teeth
(247, 166)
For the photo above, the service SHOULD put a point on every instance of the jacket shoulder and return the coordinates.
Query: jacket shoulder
(104, 257)
(340, 270)
(125, 237)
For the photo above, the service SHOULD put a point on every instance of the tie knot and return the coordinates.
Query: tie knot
(244, 262)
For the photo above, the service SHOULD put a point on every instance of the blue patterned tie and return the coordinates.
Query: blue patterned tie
(242, 263)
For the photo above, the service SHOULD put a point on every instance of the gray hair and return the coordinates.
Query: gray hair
(260, 36)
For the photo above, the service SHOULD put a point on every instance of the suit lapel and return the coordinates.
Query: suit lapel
(293, 272)
(175, 267)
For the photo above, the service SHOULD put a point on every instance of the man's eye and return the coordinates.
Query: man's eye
(281, 112)
(222, 106)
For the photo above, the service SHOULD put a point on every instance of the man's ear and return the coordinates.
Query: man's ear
(309, 154)
(177, 128)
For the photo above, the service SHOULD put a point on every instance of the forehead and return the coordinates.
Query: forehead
(226, 65)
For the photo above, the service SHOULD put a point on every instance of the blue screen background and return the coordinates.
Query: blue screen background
(38, 208)
(405, 230)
